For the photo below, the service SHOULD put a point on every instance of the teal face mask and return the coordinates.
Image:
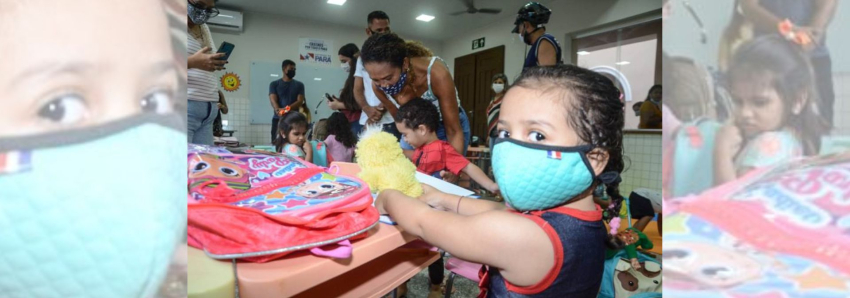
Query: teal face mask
(539, 177)
(93, 213)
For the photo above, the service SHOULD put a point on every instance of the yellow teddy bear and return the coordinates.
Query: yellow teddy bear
(383, 164)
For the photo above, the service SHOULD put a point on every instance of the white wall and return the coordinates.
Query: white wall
(274, 38)
(566, 18)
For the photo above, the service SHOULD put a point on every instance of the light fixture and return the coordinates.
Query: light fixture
(225, 16)
(276, 76)
(425, 18)
(582, 53)
(336, 2)
(623, 63)
(317, 79)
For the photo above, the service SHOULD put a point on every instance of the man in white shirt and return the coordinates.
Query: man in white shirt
(373, 112)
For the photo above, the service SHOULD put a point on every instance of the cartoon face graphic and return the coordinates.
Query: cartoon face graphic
(709, 264)
(630, 281)
(322, 189)
(212, 167)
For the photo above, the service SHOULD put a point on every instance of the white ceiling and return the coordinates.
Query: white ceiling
(402, 14)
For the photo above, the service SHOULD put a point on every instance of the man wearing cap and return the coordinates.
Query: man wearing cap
(545, 50)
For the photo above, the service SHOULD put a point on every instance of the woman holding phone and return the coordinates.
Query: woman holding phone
(348, 55)
(201, 87)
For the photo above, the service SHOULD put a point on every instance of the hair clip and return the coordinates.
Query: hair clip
(284, 111)
(789, 31)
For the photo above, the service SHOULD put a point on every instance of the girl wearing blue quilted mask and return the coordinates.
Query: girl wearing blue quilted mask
(92, 151)
(559, 136)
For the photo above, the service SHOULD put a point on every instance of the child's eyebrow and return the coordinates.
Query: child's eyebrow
(54, 68)
(538, 122)
(162, 67)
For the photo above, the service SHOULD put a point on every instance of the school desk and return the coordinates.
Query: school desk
(379, 263)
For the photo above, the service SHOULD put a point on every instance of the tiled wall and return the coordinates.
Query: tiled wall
(643, 163)
(239, 119)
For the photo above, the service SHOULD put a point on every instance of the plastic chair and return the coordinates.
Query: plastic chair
(460, 267)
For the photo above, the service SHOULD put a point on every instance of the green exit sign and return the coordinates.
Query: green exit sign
(478, 43)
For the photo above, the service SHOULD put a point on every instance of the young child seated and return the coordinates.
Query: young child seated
(291, 136)
(560, 135)
(418, 121)
(340, 140)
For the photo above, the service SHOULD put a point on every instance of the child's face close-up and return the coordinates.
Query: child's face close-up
(758, 107)
(414, 137)
(297, 135)
(534, 116)
(63, 72)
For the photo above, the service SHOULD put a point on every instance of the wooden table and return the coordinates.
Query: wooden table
(378, 265)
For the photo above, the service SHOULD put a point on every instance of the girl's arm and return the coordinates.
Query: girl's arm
(457, 204)
(308, 151)
(759, 16)
(485, 238)
(727, 145)
(479, 177)
(444, 89)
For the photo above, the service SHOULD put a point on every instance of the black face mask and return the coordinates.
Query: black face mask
(291, 74)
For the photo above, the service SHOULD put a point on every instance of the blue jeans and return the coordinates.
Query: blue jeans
(356, 127)
(441, 133)
(201, 115)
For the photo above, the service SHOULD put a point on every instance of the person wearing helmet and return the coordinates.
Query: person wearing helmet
(545, 50)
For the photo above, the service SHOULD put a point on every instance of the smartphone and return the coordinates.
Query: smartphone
(225, 48)
(329, 97)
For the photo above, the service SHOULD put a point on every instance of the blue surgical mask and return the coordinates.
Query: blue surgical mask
(395, 89)
(92, 213)
(539, 177)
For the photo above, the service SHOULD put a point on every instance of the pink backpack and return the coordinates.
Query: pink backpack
(259, 206)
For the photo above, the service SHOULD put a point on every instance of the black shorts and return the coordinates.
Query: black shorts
(640, 206)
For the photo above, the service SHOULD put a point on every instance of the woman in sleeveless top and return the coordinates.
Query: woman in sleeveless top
(397, 73)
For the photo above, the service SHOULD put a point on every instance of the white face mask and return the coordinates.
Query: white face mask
(345, 67)
(498, 88)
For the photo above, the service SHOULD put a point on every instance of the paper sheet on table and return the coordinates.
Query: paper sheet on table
(443, 185)
(436, 183)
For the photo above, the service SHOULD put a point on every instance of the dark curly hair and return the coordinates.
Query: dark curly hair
(339, 127)
(287, 122)
(594, 110)
(384, 48)
(419, 112)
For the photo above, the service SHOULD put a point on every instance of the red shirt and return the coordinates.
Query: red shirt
(437, 156)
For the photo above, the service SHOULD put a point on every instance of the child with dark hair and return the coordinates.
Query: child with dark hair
(340, 140)
(560, 135)
(418, 121)
(292, 135)
(776, 113)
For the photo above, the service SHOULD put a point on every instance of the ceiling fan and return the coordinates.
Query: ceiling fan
(470, 9)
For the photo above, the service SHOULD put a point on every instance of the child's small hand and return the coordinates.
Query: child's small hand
(308, 147)
(494, 189)
(636, 264)
(449, 176)
(729, 141)
(432, 197)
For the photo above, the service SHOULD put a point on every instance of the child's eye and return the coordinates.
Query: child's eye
(536, 136)
(157, 102)
(504, 134)
(66, 109)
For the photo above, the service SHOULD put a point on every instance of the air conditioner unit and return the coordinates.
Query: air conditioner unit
(226, 21)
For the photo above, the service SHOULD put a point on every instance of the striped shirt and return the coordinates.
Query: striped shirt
(201, 83)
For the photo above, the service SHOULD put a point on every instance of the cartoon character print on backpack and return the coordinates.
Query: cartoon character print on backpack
(204, 167)
(319, 189)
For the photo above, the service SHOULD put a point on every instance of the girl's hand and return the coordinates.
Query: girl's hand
(494, 189)
(381, 200)
(308, 147)
(432, 197)
(729, 141)
(635, 264)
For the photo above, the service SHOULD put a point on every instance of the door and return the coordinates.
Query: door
(473, 79)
